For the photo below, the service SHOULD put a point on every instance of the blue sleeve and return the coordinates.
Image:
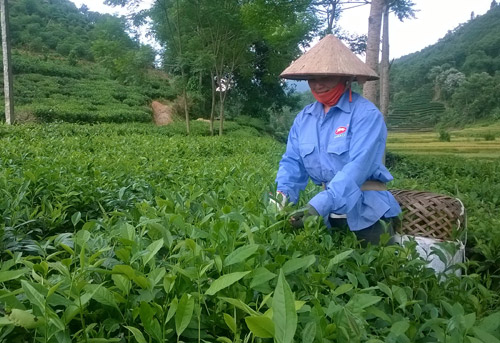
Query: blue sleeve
(368, 135)
(292, 176)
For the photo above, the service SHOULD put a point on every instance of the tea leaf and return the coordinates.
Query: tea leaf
(35, 297)
(400, 295)
(5, 321)
(102, 295)
(490, 323)
(399, 328)
(343, 289)
(260, 276)
(171, 310)
(168, 282)
(152, 249)
(361, 301)
(261, 326)
(225, 281)
(309, 332)
(139, 337)
(75, 218)
(230, 322)
(241, 305)
(122, 283)
(298, 263)
(184, 313)
(9, 275)
(241, 254)
(485, 336)
(284, 317)
(124, 269)
(470, 319)
(150, 323)
(338, 258)
(384, 288)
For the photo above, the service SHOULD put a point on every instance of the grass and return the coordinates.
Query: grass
(470, 142)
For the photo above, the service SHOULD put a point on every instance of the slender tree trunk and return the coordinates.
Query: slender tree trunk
(7, 68)
(184, 86)
(221, 112)
(212, 109)
(186, 110)
(385, 66)
(373, 47)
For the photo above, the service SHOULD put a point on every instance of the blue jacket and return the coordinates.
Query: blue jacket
(341, 149)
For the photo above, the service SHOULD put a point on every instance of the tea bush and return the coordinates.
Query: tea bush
(123, 233)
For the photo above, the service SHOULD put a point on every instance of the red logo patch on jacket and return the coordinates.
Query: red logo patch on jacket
(340, 129)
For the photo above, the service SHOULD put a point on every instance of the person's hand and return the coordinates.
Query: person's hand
(298, 217)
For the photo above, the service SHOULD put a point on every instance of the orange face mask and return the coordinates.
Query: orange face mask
(331, 97)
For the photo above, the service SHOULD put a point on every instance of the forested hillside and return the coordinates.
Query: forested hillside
(79, 66)
(75, 65)
(453, 82)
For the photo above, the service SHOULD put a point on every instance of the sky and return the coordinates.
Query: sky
(433, 20)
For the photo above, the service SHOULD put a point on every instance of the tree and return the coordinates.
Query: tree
(329, 12)
(373, 47)
(403, 9)
(385, 65)
(171, 24)
(223, 45)
(239, 47)
(7, 68)
(477, 97)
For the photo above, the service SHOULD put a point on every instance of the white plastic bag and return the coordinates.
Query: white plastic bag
(440, 255)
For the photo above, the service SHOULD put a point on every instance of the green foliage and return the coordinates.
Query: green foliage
(246, 50)
(135, 232)
(51, 90)
(476, 183)
(444, 136)
(414, 110)
(460, 71)
(59, 28)
(489, 136)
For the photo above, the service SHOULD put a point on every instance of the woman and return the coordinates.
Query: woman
(338, 142)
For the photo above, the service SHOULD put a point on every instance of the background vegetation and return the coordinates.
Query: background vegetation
(453, 82)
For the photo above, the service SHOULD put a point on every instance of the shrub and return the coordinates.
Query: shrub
(490, 136)
(444, 136)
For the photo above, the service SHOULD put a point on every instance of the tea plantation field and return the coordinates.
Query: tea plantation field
(133, 233)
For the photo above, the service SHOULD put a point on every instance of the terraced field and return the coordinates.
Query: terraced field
(415, 112)
(475, 142)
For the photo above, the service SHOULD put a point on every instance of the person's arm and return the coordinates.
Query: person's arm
(292, 176)
(343, 191)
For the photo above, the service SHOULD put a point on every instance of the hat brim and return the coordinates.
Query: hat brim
(329, 57)
(310, 76)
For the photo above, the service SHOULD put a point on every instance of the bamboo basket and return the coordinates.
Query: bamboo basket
(430, 215)
(433, 220)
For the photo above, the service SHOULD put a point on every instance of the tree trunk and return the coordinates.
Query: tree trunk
(186, 111)
(221, 112)
(212, 109)
(373, 47)
(385, 66)
(7, 68)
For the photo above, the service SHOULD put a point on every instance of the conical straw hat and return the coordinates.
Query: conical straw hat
(328, 57)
